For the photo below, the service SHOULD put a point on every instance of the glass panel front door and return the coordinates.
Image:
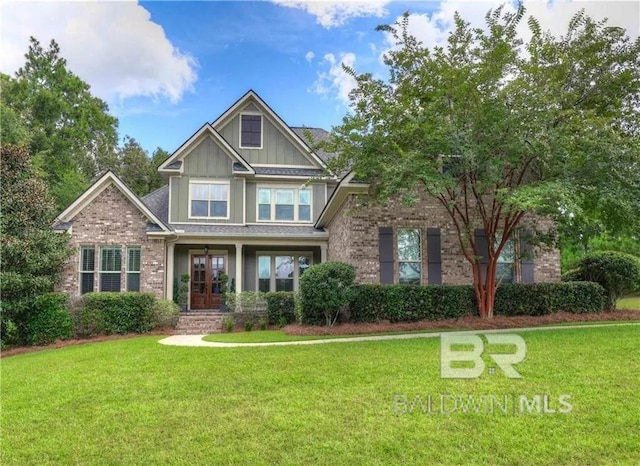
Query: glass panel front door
(206, 281)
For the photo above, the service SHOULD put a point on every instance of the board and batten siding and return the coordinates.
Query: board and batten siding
(276, 148)
(318, 199)
(207, 161)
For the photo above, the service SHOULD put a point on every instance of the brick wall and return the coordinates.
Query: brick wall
(112, 220)
(353, 238)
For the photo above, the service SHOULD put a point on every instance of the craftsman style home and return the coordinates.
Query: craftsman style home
(248, 202)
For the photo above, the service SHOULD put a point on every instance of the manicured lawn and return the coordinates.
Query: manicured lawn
(138, 402)
(630, 302)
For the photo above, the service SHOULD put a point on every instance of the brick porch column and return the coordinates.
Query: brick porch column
(239, 270)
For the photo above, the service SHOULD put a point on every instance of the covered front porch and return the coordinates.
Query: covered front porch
(216, 266)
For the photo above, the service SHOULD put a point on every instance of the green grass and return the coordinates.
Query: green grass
(630, 302)
(137, 402)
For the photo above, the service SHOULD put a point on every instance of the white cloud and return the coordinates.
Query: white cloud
(335, 79)
(309, 56)
(113, 46)
(333, 14)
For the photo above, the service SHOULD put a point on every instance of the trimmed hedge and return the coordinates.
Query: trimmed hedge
(408, 303)
(49, 319)
(325, 292)
(120, 312)
(281, 307)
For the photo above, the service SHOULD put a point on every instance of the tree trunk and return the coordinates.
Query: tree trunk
(485, 288)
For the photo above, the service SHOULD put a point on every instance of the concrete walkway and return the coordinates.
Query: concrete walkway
(196, 340)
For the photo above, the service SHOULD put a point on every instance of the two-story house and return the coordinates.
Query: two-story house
(247, 197)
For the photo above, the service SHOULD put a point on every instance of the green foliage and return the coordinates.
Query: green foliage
(87, 321)
(69, 130)
(262, 324)
(535, 299)
(228, 323)
(281, 307)
(165, 314)
(246, 301)
(181, 290)
(248, 325)
(617, 272)
(573, 248)
(122, 312)
(155, 180)
(49, 319)
(325, 291)
(135, 168)
(404, 303)
(549, 127)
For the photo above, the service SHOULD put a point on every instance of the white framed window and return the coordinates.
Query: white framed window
(250, 131)
(284, 204)
(209, 200)
(133, 268)
(110, 268)
(281, 271)
(409, 257)
(505, 265)
(87, 268)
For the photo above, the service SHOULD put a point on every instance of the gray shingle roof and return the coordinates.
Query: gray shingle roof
(274, 231)
(62, 226)
(318, 135)
(158, 203)
(174, 165)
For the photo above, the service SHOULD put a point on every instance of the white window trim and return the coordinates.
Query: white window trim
(261, 130)
(296, 203)
(218, 182)
(272, 256)
(419, 261)
(100, 271)
(134, 272)
(81, 271)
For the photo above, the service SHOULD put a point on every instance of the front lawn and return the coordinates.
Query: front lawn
(138, 402)
(630, 302)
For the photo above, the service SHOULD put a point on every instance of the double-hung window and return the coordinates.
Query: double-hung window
(409, 257)
(505, 264)
(284, 204)
(209, 200)
(87, 268)
(133, 268)
(281, 272)
(251, 131)
(110, 268)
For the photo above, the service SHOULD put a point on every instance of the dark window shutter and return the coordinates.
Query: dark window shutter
(385, 243)
(434, 259)
(526, 261)
(482, 246)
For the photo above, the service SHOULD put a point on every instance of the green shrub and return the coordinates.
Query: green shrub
(227, 324)
(325, 291)
(87, 322)
(121, 312)
(248, 325)
(617, 272)
(281, 307)
(407, 303)
(262, 324)
(535, 299)
(49, 319)
(165, 314)
(246, 301)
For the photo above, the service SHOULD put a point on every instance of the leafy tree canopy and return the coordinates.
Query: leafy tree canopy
(549, 127)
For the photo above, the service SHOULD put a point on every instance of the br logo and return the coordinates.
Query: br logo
(505, 361)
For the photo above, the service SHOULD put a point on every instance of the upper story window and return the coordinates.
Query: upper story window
(208, 200)
(251, 131)
(284, 204)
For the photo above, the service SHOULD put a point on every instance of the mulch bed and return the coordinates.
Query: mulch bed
(463, 323)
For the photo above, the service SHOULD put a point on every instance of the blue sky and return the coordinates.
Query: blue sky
(165, 68)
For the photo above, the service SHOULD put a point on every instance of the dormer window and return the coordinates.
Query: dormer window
(250, 131)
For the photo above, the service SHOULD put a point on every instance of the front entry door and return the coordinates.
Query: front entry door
(206, 281)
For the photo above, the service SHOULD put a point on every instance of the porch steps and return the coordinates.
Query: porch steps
(200, 322)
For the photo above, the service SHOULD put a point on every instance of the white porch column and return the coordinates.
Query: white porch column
(239, 270)
(168, 275)
(323, 252)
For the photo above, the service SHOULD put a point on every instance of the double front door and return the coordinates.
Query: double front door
(207, 281)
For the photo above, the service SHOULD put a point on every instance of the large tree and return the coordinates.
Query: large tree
(33, 255)
(547, 128)
(71, 132)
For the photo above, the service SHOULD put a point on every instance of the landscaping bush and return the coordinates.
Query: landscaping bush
(408, 303)
(49, 320)
(165, 314)
(246, 301)
(121, 312)
(87, 322)
(325, 291)
(617, 272)
(281, 307)
(535, 299)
